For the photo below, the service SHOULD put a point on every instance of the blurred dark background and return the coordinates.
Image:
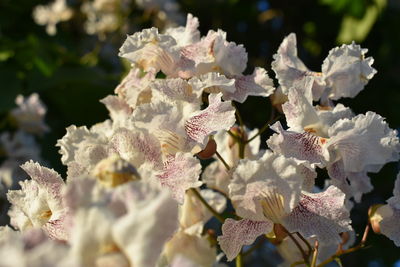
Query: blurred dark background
(72, 70)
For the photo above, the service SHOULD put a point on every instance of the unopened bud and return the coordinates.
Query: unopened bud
(209, 151)
(375, 216)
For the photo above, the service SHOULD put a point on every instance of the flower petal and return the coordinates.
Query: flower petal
(236, 234)
(301, 146)
(323, 215)
(181, 173)
(256, 84)
(347, 70)
(217, 116)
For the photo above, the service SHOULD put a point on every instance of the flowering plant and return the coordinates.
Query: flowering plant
(138, 191)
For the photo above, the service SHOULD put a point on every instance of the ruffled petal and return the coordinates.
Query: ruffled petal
(134, 88)
(302, 146)
(268, 188)
(216, 117)
(256, 84)
(186, 35)
(364, 143)
(136, 147)
(181, 173)
(347, 71)
(299, 111)
(151, 219)
(229, 56)
(176, 89)
(151, 50)
(322, 215)
(286, 65)
(236, 234)
(213, 82)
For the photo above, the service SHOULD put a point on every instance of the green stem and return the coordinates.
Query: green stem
(264, 128)
(208, 206)
(315, 255)
(227, 167)
(239, 117)
(242, 147)
(305, 242)
(239, 260)
(347, 251)
(303, 253)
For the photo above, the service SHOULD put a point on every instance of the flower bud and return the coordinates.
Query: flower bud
(209, 151)
(375, 217)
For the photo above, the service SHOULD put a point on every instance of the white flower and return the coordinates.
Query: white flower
(346, 70)
(30, 114)
(52, 14)
(39, 202)
(127, 225)
(269, 191)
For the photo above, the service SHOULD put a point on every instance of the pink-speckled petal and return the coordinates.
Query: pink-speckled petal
(216, 117)
(268, 188)
(136, 147)
(323, 215)
(57, 229)
(236, 234)
(176, 89)
(181, 173)
(45, 177)
(256, 84)
(301, 146)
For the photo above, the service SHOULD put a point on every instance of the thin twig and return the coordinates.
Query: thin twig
(222, 160)
(347, 251)
(264, 128)
(239, 117)
(242, 146)
(303, 253)
(211, 209)
(315, 254)
(305, 242)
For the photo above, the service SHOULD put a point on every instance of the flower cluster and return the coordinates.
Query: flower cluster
(136, 194)
(105, 16)
(20, 145)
